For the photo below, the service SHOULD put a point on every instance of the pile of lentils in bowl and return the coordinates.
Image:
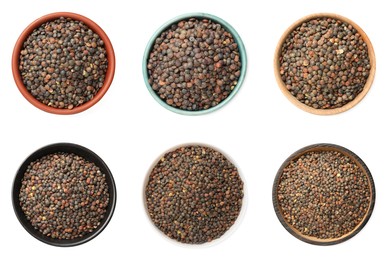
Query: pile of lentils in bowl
(194, 64)
(194, 194)
(324, 63)
(323, 194)
(64, 196)
(63, 63)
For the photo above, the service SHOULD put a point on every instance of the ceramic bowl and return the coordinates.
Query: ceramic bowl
(230, 231)
(68, 148)
(19, 45)
(175, 20)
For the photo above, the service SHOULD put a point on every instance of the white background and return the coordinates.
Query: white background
(259, 129)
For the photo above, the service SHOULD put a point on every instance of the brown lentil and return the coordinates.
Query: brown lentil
(324, 63)
(194, 194)
(194, 64)
(323, 194)
(64, 196)
(63, 63)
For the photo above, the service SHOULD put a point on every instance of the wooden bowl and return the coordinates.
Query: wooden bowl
(94, 27)
(316, 148)
(305, 107)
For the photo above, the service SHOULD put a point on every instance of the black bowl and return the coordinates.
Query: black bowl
(68, 148)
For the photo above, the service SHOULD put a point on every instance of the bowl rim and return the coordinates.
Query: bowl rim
(323, 147)
(305, 107)
(199, 15)
(76, 149)
(95, 28)
(230, 230)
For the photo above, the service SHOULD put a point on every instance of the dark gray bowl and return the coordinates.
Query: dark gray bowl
(69, 148)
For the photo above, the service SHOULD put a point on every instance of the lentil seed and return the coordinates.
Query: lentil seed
(323, 194)
(64, 196)
(66, 58)
(196, 54)
(340, 60)
(194, 194)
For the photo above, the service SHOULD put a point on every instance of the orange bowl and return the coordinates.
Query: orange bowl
(19, 45)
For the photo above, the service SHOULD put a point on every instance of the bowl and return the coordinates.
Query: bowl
(175, 20)
(318, 148)
(303, 106)
(80, 151)
(19, 45)
(229, 231)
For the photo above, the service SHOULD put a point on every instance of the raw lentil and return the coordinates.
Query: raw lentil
(323, 194)
(194, 194)
(64, 196)
(63, 63)
(324, 63)
(194, 64)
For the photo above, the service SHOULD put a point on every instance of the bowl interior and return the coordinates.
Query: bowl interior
(94, 27)
(226, 26)
(237, 222)
(316, 148)
(305, 107)
(69, 148)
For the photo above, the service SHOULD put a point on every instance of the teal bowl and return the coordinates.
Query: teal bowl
(177, 19)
